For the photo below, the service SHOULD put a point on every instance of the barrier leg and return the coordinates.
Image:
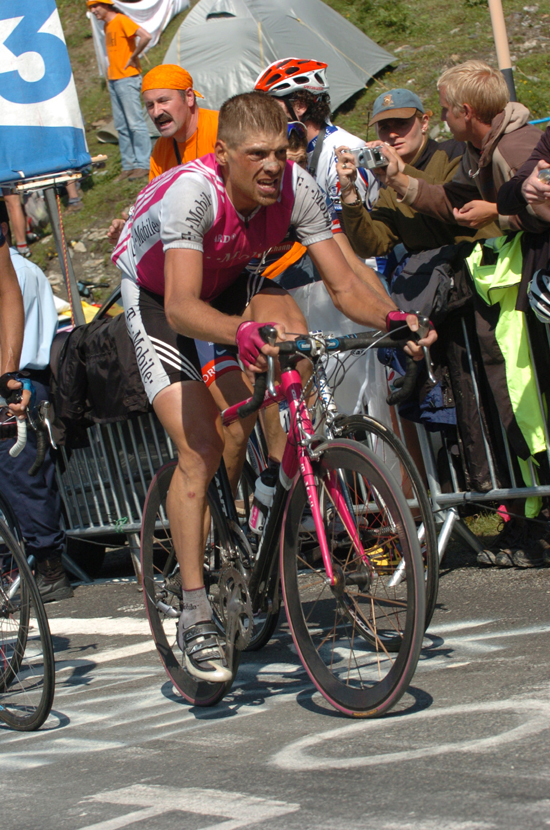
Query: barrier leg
(71, 566)
(134, 543)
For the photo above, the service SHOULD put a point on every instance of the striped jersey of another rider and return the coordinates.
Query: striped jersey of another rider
(183, 256)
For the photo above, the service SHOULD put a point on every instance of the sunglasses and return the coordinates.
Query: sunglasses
(297, 127)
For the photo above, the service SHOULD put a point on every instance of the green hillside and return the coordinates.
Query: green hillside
(425, 35)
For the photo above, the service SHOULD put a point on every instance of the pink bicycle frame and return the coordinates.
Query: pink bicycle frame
(296, 456)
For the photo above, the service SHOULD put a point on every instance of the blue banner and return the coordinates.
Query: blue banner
(41, 127)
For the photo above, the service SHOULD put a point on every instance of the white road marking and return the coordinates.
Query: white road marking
(536, 715)
(121, 626)
(237, 809)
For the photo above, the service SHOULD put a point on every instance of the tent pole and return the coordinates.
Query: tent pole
(64, 257)
(501, 45)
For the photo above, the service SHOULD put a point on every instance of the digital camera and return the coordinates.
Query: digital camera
(369, 157)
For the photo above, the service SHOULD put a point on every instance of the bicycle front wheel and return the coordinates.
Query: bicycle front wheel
(386, 445)
(27, 668)
(162, 587)
(359, 638)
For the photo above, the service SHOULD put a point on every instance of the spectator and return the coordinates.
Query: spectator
(35, 500)
(475, 104)
(402, 123)
(186, 131)
(18, 220)
(526, 195)
(124, 77)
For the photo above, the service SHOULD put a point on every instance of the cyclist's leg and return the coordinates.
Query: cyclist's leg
(228, 384)
(190, 417)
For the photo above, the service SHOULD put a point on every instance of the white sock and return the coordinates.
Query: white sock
(196, 608)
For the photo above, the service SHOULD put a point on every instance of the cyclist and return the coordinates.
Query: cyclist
(182, 256)
(12, 325)
(301, 88)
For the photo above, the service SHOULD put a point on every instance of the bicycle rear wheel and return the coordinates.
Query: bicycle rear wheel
(392, 452)
(162, 587)
(342, 631)
(27, 668)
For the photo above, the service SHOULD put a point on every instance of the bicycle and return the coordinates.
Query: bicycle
(358, 633)
(27, 667)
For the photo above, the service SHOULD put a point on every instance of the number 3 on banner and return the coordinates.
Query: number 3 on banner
(34, 63)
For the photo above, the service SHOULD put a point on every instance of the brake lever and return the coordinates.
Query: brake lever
(44, 410)
(423, 329)
(269, 334)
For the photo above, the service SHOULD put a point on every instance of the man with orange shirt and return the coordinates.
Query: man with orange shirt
(125, 40)
(186, 131)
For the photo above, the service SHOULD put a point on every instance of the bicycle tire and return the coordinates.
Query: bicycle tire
(162, 604)
(27, 667)
(328, 622)
(364, 428)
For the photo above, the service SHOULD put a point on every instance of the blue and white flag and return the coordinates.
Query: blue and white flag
(41, 127)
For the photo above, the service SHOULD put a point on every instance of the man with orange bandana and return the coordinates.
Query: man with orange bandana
(125, 41)
(186, 131)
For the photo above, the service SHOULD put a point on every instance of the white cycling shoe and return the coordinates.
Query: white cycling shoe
(204, 652)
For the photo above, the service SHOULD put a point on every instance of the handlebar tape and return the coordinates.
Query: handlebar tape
(405, 385)
(257, 398)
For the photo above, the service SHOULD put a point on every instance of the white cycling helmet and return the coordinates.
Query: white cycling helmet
(539, 295)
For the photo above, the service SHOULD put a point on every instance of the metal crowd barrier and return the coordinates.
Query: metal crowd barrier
(103, 486)
(446, 504)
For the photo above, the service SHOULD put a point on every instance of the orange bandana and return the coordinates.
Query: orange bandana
(168, 76)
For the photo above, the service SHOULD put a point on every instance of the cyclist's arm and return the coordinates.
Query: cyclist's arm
(362, 271)
(12, 322)
(355, 298)
(185, 311)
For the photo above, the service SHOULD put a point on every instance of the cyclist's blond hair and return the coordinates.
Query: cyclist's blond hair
(248, 113)
(477, 84)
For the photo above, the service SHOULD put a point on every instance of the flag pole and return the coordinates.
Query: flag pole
(501, 45)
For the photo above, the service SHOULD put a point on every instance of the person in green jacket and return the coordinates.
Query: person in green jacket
(402, 122)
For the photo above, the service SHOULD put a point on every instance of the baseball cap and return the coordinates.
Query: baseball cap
(397, 103)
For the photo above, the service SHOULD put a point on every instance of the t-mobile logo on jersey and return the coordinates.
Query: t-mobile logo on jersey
(224, 238)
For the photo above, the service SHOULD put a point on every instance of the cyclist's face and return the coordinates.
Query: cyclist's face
(170, 110)
(253, 170)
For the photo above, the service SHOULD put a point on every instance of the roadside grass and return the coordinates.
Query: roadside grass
(424, 35)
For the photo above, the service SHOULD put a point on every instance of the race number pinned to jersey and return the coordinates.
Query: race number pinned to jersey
(41, 127)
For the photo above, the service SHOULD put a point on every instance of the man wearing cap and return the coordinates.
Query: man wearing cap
(402, 124)
(186, 131)
(125, 41)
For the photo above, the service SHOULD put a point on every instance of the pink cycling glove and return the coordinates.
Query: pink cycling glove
(250, 342)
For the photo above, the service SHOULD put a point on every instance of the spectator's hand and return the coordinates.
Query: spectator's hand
(535, 191)
(132, 61)
(115, 229)
(347, 172)
(476, 214)
(542, 210)
(393, 175)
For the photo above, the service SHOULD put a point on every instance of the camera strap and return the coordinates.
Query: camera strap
(312, 168)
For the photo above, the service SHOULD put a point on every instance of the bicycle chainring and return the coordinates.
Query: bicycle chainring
(235, 608)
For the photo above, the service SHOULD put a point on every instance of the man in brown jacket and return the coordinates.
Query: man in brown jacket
(475, 104)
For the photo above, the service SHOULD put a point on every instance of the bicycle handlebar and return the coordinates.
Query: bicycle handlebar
(42, 426)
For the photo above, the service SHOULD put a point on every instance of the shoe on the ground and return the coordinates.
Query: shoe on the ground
(204, 652)
(138, 173)
(526, 548)
(501, 551)
(125, 174)
(74, 206)
(52, 580)
(24, 250)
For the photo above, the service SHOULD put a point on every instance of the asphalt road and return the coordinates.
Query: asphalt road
(468, 748)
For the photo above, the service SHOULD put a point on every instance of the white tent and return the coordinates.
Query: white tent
(225, 44)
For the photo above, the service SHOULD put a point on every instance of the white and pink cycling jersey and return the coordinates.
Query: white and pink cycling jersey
(188, 207)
